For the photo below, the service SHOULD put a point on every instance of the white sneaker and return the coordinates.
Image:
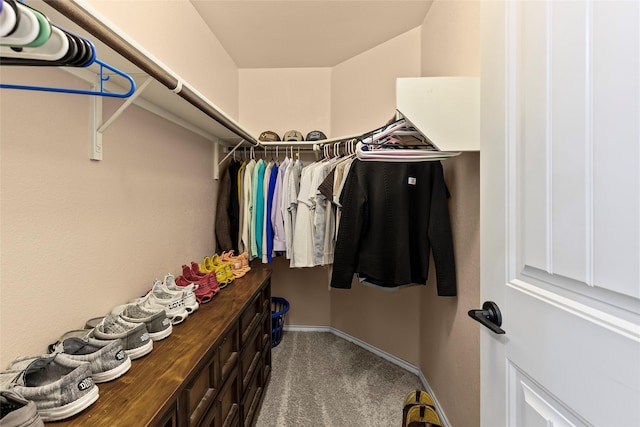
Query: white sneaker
(173, 305)
(187, 292)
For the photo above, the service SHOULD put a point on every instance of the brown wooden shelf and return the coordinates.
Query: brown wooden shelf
(179, 382)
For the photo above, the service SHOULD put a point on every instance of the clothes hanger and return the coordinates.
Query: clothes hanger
(30, 46)
(27, 29)
(8, 18)
(401, 155)
(63, 48)
(56, 47)
(103, 78)
(44, 28)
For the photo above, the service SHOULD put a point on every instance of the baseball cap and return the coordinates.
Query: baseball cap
(316, 135)
(269, 136)
(293, 135)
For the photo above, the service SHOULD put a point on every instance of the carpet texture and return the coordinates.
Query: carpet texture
(321, 380)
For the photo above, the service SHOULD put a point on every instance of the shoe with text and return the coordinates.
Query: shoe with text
(59, 387)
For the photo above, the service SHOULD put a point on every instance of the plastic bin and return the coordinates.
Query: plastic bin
(279, 307)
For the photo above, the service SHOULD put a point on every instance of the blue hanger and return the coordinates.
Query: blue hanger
(101, 92)
(83, 55)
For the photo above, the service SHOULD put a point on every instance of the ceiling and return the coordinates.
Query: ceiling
(306, 33)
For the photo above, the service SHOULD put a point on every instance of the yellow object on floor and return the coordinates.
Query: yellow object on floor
(417, 398)
(422, 416)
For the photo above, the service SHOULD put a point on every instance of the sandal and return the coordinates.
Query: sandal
(236, 264)
(207, 266)
(224, 273)
(202, 290)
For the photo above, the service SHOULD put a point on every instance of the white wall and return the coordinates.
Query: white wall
(78, 236)
(174, 33)
(281, 99)
(363, 94)
(449, 340)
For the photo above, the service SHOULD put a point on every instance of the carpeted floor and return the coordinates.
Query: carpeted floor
(321, 380)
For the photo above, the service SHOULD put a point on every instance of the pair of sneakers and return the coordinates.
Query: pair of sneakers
(176, 302)
(59, 387)
(206, 285)
(133, 336)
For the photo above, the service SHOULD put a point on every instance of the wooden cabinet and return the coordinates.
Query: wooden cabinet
(211, 372)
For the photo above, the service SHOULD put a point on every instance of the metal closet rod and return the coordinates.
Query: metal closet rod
(133, 55)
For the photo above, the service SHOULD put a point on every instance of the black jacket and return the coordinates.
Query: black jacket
(393, 215)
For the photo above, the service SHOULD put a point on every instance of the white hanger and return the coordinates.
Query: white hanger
(400, 155)
(54, 49)
(28, 27)
(7, 19)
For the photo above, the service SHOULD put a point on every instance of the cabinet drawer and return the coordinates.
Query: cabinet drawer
(200, 392)
(266, 328)
(228, 400)
(211, 419)
(170, 419)
(251, 400)
(250, 357)
(266, 290)
(228, 352)
(250, 317)
(265, 362)
(266, 297)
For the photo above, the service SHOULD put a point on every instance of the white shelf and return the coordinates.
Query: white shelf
(446, 110)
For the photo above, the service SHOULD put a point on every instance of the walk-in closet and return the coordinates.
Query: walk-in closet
(121, 160)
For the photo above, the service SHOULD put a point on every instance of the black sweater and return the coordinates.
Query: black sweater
(393, 215)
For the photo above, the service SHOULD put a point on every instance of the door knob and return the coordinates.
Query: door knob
(489, 316)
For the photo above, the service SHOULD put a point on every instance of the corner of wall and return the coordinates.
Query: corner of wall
(450, 46)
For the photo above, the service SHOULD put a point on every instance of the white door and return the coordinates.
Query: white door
(560, 212)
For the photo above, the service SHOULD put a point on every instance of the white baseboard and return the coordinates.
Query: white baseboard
(387, 356)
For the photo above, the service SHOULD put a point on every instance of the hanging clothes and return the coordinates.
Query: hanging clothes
(277, 217)
(258, 209)
(241, 207)
(234, 205)
(266, 220)
(393, 216)
(222, 222)
(247, 201)
(322, 217)
(290, 203)
(270, 196)
(303, 250)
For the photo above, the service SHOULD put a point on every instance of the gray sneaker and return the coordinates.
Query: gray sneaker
(157, 323)
(134, 336)
(16, 411)
(155, 319)
(56, 347)
(59, 387)
(108, 359)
